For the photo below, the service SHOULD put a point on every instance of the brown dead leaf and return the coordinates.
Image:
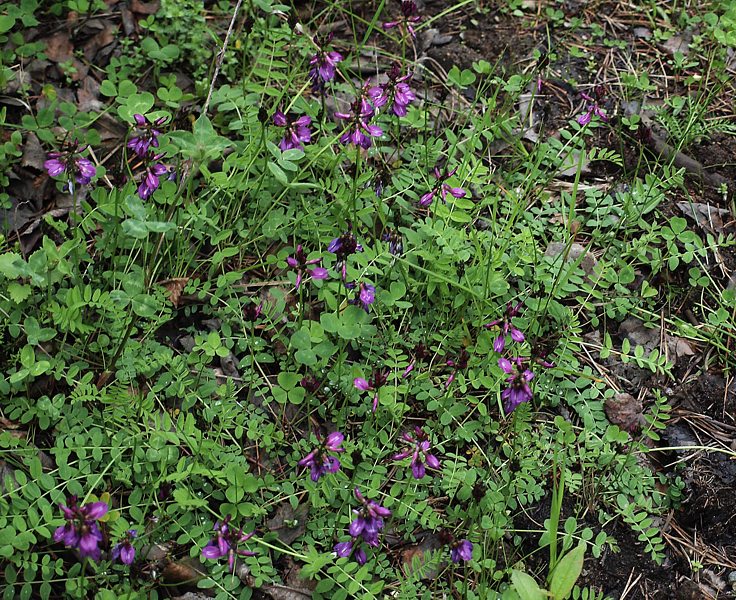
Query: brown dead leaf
(174, 287)
(59, 47)
(33, 154)
(413, 558)
(289, 523)
(706, 216)
(186, 570)
(145, 8)
(625, 411)
(98, 41)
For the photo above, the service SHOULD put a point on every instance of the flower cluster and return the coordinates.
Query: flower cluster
(323, 64)
(81, 531)
(365, 294)
(409, 18)
(342, 247)
(297, 130)
(395, 92)
(148, 135)
(358, 130)
(593, 107)
(226, 542)
(442, 187)
(507, 327)
(300, 263)
(366, 526)
(124, 550)
(377, 381)
(518, 379)
(418, 448)
(70, 161)
(319, 461)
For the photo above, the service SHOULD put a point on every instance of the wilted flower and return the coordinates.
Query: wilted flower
(441, 187)
(359, 131)
(124, 550)
(365, 295)
(310, 383)
(300, 263)
(148, 136)
(419, 446)
(367, 524)
(409, 18)
(593, 107)
(378, 379)
(81, 530)
(297, 130)
(150, 182)
(76, 167)
(420, 353)
(319, 462)
(395, 92)
(507, 327)
(518, 379)
(342, 247)
(226, 542)
(458, 364)
(323, 64)
(252, 311)
(395, 243)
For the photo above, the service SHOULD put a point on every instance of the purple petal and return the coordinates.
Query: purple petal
(334, 440)
(417, 469)
(95, 510)
(279, 119)
(54, 167)
(140, 120)
(211, 551)
(432, 461)
(343, 549)
(127, 554)
(319, 273)
(499, 343)
(505, 364)
(360, 556)
(517, 335)
(362, 384)
(357, 526)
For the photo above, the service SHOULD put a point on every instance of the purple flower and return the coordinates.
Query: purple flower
(81, 530)
(359, 131)
(68, 160)
(148, 136)
(342, 247)
(506, 327)
(409, 18)
(593, 107)
(396, 91)
(323, 64)
(154, 170)
(319, 462)
(301, 264)
(518, 379)
(420, 353)
(378, 379)
(458, 364)
(461, 550)
(442, 187)
(226, 542)
(366, 526)
(124, 551)
(365, 295)
(418, 449)
(297, 130)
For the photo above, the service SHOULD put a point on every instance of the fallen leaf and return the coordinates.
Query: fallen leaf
(145, 8)
(59, 48)
(174, 288)
(289, 523)
(33, 154)
(705, 215)
(625, 411)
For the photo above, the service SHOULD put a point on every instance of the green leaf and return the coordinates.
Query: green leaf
(107, 88)
(6, 23)
(526, 587)
(18, 292)
(566, 572)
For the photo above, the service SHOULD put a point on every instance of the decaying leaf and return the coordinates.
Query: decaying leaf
(174, 288)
